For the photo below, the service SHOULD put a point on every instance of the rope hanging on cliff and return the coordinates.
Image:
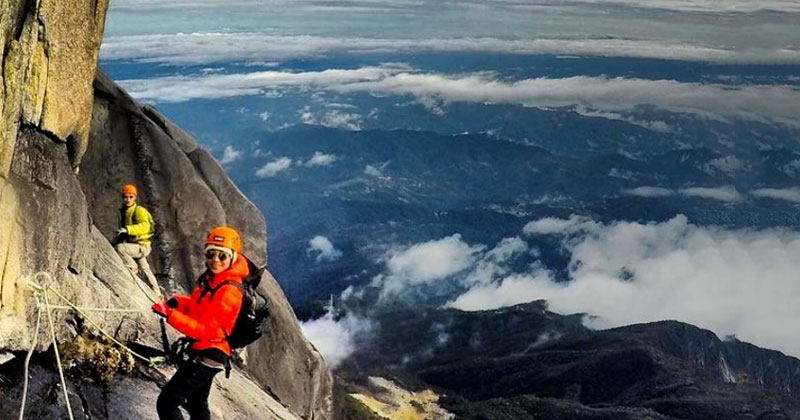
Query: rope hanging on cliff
(38, 289)
(28, 362)
(41, 291)
(83, 314)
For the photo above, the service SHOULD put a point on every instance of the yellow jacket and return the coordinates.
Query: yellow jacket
(139, 223)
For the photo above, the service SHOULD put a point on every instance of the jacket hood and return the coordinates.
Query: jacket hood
(237, 272)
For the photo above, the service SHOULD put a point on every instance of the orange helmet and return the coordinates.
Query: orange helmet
(129, 189)
(226, 237)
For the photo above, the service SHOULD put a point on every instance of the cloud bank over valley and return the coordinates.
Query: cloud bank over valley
(733, 282)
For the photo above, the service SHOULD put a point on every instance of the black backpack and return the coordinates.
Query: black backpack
(255, 309)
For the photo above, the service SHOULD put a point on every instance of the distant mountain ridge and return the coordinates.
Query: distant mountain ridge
(525, 361)
(424, 186)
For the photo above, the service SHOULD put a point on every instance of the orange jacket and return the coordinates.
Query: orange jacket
(208, 318)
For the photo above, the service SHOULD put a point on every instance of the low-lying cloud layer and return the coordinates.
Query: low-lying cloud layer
(786, 194)
(649, 192)
(270, 169)
(321, 159)
(609, 95)
(208, 48)
(230, 155)
(733, 282)
(323, 249)
(424, 263)
(726, 193)
(743, 6)
(336, 339)
(723, 193)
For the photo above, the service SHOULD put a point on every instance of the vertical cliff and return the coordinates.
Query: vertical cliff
(68, 140)
(49, 58)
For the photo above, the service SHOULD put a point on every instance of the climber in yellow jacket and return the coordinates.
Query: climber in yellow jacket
(136, 229)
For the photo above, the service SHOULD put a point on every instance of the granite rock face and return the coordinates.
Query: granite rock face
(188, 193)
(48, 59)
(50, 50)
(69, 138)
(134, 398)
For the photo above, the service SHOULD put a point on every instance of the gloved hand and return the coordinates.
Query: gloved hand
(162, 309)
(172, 302)
(122, 231)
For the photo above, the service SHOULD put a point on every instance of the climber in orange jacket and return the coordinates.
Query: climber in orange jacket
(206, 317)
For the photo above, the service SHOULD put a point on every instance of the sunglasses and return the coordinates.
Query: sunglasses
(128, 196)
(213, 253)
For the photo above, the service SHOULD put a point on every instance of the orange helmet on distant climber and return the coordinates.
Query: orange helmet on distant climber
(225, 236)
(129, 189)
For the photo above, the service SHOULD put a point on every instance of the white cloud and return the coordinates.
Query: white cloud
(431, 104)
(373, 171)
(733, 282)
(440, 266)
(507, 248)
(346, 120)
(183, 88)
(432, 260)
(727, 164)
(321, 159)
(324, 249)
(307, 117)
(659, 126)
(230, 155)
(600, 96)
(787, 194)
(650, 192)
(726, 193)
(493, 264)
(740, 6)
(552, 225)
(513, 290)
(425, 263)
(781, 103)
(271, 169)
(204, 48)
(336, 339)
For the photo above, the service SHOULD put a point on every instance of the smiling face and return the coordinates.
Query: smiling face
(217, 261)
(128, 200)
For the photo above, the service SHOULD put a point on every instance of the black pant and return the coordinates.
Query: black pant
(189, 387)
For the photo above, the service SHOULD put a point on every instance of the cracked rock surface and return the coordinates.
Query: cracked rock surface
(69, 138)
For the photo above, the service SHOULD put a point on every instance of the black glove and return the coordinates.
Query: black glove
(172, 302)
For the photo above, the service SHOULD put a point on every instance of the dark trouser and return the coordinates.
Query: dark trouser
(189, 387)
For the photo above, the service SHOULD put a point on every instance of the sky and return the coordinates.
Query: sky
(754, 31)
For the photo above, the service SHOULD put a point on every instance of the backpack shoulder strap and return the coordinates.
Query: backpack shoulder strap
(202, 282)
(239, 286)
